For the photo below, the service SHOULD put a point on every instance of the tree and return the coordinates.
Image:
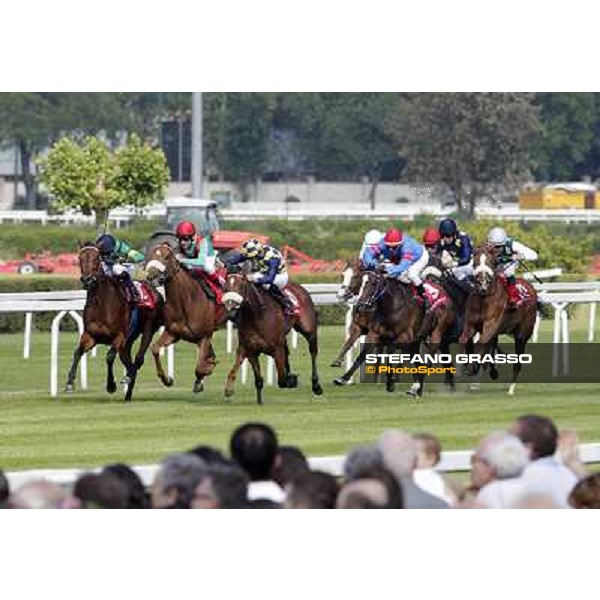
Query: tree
(567, 148)
(88, 176)
(467, 142)
(344, 135)
(35, 120)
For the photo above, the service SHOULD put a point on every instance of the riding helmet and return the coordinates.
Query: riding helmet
(373, 237)
(431, 237)
(448, 228)
(106, 244)
(185, 229)
(393, 238)
(252, 248)
(497, 237)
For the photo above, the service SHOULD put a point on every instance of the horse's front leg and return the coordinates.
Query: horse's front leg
(86, 343)
(239, 359)
(166, 339)
(354, 334)
(205, 363)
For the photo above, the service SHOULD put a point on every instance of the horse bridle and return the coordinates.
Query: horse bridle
(90, 280)
(380, 285)
(171, 269)
(492, 272)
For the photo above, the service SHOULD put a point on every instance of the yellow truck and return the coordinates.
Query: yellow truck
(560, 196)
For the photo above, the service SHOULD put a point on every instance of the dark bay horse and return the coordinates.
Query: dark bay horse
(350, 288)
(188, 314)
(397, 318)
(489, 313)
(107, 317)
(262, 329)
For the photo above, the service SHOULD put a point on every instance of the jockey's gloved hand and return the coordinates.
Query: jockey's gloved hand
(517, 256)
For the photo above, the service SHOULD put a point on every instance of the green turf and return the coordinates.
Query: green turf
(92, 428)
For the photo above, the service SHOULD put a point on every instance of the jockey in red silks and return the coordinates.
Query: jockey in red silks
(198, 255)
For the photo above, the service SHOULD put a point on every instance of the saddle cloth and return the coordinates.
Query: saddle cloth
(147, 297)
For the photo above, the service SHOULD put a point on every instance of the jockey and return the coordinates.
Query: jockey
(456, 249)
(118, 259)
(406, 259)
(198, 254)
(431, 241)
(268, 270)
(372, 240)
(509, 254)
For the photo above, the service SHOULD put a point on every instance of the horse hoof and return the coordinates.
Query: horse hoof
(317, 389)
(494, 374)
(198, 387)
(111, 388)
(292, 382)
(341, 382)
(229, 394)
(390, 388)
(168, 382)
(69, 388)
(336, 364)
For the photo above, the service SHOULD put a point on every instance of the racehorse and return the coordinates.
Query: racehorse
(263, 327)
(397, 317)
(351, 283)
(188, 314)
(107, 318)
(488, 311)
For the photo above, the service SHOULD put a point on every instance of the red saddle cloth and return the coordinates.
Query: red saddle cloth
(215, 282)
(292, 298)
(146, 295)
(436, 295)
(520, 293)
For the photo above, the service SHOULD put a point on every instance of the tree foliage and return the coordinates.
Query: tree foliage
(467, 142)
(88, 176)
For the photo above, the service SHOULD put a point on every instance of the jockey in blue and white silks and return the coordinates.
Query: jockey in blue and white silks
(456, 250)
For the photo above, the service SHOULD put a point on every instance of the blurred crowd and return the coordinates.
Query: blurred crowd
(530, 465)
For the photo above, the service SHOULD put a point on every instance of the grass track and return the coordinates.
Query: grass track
(92, 428)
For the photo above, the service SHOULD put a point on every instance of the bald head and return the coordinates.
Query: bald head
(399, 451)
(38, 495)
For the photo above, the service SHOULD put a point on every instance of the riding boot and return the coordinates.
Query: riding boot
(134, 296)
(283, 300)
(423, 294)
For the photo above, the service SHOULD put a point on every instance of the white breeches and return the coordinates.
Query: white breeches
(281, 280)
(413, 273)
(462, 273)
(118, 269)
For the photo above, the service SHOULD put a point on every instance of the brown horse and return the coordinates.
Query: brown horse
(489, 313)
(107, 316)
(351, 282)
(188, 314)
(397, 318)
(262, 329)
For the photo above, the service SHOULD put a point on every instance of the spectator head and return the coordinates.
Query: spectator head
(429, 451)
(499, 456)
(254, 448)
(362, 460)
(586, 493)
(221, 486)
(176, 481)
(399, 451)
(289, 464)
(539, 434)
(378, 489)
(38, 495)
(314, 490)
(209, 455)
(101, 491)
(4, 489)
(136, 492)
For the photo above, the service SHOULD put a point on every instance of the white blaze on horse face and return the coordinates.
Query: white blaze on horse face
(155, 265)
(346, 279)
(483, 270)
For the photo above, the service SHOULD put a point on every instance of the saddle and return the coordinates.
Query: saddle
(146, 296)
(435, 293)
(211, 284)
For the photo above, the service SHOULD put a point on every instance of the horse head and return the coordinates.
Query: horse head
(163, 265)
(235, 291)
(371, 289)
(90, 265)
(351, 280)
(484, 264)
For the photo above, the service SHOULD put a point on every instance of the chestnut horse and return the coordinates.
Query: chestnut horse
(107, 316)
(262, 329)
(188, 314)
(489, 313)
